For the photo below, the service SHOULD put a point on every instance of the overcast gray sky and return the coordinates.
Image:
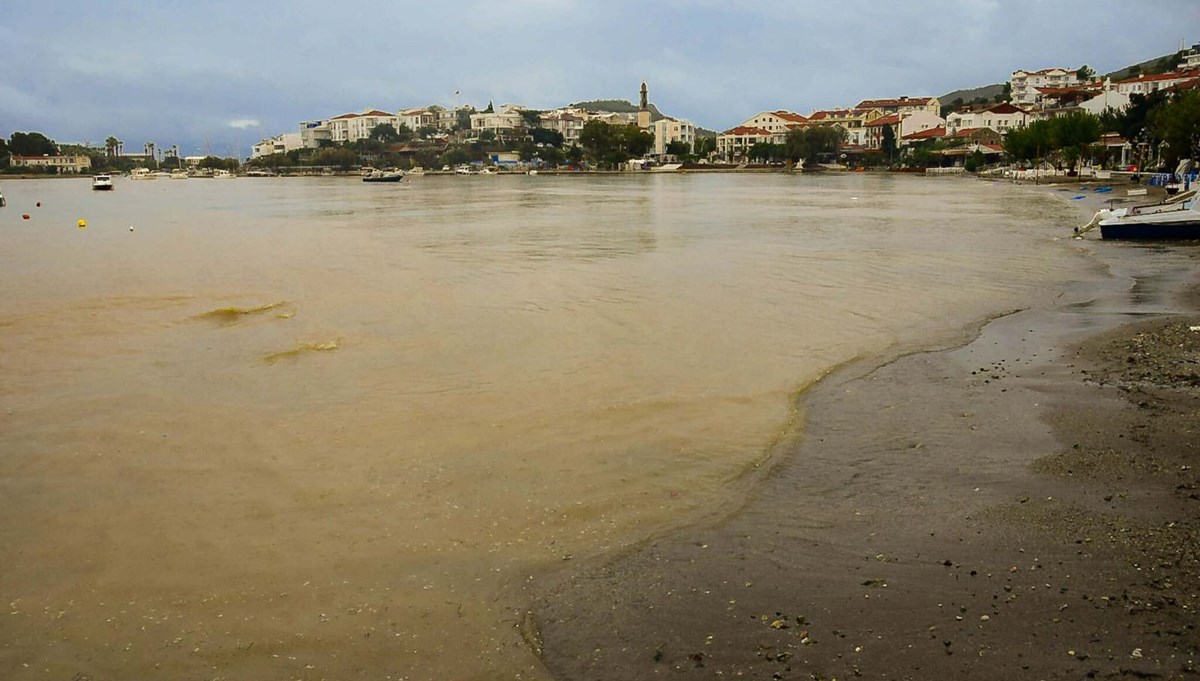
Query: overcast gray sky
(221, 74)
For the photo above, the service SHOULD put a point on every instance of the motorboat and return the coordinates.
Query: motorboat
(464, 170)
(141, 174)
(222, 174)
(179, 174)
(3, 201)
(386, 175)
(1176, 218)
(102, 183)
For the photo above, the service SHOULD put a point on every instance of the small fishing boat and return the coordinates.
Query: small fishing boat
(222, 174)
(1176, 218)
(102, 183)
(386, 175)
(141, 174)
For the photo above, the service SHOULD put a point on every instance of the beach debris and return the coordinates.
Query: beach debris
(1194, 328)
(1136, 654)
(875, 582)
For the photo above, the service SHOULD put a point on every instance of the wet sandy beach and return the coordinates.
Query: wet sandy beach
(1023, 505)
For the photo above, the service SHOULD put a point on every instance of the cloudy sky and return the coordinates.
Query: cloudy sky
(219, 75)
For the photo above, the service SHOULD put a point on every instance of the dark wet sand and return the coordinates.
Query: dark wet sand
(1025, 506)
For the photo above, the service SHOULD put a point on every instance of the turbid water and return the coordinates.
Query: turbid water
(316, 429)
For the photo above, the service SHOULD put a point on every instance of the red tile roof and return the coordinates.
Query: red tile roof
(789, 116)
(894, 103)
(746, 130)
(890, 119)
(927, 134)
(1174, 75)
(1005, 108)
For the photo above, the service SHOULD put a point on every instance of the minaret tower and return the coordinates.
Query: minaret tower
(643, 117)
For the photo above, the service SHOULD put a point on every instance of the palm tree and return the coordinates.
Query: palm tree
(110, 145)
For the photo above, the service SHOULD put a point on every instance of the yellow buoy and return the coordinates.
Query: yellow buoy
(82, 224)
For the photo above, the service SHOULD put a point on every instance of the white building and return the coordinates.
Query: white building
(279, 144)
(775, 121)
(1191, 59)
(902, 106)
(1144, 85)
(506, 122)
(568, 123)
(1024, 84)
(1110, 98)
(62, 164)
(313, 133)
(734, 144)
(668, 130)
(416, 119)
(352, 127)
(1000, 117)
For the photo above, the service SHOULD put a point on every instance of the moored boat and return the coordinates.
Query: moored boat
(141, 174)
(1175, 218)
(102, 182)
(384, 176)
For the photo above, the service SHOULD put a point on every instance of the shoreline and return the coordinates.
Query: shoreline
(995, 510)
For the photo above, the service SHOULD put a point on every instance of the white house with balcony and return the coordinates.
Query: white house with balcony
(668, 130)
(775, 121)
(279, 144)
(418, 118)
(1024, 84)
(1000, 117)
(734, 144)
(902, 106)
(352, 127)
(505, 123)
(1149, 84)
(313, 133)
(567, 123)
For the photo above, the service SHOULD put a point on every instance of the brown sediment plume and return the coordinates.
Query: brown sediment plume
(300, 349)
(231, 315)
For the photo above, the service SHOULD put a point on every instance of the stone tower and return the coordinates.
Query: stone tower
(643, 116)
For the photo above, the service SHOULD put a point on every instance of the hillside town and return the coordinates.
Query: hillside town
(904, 131)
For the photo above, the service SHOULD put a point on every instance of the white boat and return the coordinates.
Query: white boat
(102, 183)
(386, 175)
(417, 171)
(3, 202)
(464, 170)
(179, 174)
(141, 174)
(1175, 218)
(222, 174)
(487, 170)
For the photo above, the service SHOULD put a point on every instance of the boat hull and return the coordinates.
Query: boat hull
(386, 178)
(103, 188)
(1151, 232)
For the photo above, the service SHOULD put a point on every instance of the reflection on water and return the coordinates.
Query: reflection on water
(527, 368)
